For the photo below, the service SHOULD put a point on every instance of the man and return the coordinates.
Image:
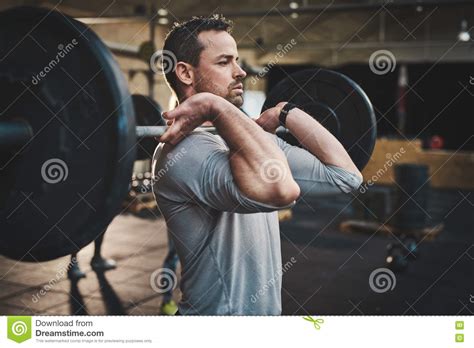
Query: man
(220, 194)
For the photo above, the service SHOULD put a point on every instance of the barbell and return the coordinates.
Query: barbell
(68, 134)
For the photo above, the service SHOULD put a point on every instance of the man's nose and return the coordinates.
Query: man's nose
(239, 72)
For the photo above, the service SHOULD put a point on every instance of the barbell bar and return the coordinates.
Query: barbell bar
(157, 131)
(15, 134)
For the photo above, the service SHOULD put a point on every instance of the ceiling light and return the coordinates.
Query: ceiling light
(294, 5)
(162, 12)
(163, 21)
(464, 35)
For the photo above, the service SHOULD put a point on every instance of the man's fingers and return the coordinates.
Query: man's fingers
(171, 114)
(172, 133)
(167, 135)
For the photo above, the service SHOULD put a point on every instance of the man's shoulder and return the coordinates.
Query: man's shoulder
(195, 145)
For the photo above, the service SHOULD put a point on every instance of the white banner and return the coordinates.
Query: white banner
(227, 332)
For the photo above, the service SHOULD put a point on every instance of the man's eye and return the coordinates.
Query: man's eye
(222, 63)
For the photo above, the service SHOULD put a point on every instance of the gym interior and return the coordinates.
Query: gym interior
(401, 244)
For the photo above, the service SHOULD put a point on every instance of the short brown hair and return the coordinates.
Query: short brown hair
(182, 41)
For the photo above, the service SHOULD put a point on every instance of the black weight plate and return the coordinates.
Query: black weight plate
(335, 101)
(61, 190)
(147, 113)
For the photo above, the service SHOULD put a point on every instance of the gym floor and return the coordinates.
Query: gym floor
(327, 270)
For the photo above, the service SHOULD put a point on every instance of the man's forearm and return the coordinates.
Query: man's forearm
(250, 152)
(319, 141)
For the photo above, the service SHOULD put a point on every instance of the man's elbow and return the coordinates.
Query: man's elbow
(353, 182)
(285, 194)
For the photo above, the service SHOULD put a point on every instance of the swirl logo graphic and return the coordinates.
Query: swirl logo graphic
(272, 171)
(19, 328)
(382, 62)
(163, 280)
(54, 170)
(163, 62)
(382, 280)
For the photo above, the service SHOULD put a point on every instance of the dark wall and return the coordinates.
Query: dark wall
(441, 101)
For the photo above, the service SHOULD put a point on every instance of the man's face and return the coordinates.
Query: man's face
(218, 71)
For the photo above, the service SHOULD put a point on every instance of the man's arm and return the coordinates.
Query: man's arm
(254, 160)
(312, 135)
(319, 141)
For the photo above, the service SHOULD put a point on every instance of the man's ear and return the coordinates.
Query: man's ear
(185, 73)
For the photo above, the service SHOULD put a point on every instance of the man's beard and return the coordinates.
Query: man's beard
(204, 85)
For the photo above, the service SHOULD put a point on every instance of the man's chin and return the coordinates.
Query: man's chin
(237, 100)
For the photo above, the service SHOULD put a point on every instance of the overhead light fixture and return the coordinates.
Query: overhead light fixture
(464, 35)
(419, 8)
(162, 12)
(163, 21)
(294, 5)
(294, 15)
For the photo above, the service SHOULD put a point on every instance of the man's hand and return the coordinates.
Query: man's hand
(190, 114)
(268, 120)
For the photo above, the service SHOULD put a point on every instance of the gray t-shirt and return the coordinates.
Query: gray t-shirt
(228, 244)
